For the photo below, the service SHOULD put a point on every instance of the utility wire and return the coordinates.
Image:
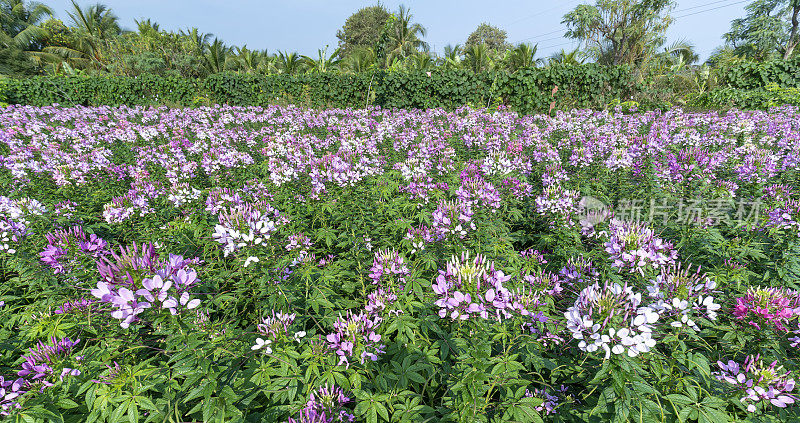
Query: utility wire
(709, 10)
(541, 13)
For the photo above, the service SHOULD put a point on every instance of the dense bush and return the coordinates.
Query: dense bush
(748, 99)
(526, 91)
(753, 75)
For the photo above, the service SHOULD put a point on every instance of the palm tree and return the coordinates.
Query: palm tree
(360, 60)
(452, 56)
(420, 62)
(97, 20)
(574, 57)
(197, 39)
(476, 58)
(19, 24)
(288, 63)
(523, 56)
(405, 39)
(323, 63)
(215, 57)
(147, 27)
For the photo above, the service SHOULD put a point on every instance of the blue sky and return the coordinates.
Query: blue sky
(306, 25)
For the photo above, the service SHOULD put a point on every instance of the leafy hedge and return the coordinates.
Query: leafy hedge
(772, 95)
(526, 91)
(752, 75)
(3, 91)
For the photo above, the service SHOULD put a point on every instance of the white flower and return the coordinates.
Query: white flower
(299, 335)
(260, 343)
(249, 260)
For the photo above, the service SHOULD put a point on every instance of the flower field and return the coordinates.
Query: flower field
(283, 264)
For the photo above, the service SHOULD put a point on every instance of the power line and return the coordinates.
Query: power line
(541, 35)
(541, 13)
(709, 10)
(701, 5)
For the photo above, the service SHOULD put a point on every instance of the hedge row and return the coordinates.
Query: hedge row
(527, 91)
(754, 75)
(765, 98)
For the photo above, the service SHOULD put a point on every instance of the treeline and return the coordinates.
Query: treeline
(527, 91)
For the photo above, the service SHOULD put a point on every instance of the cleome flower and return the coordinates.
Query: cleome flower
(611, 318)
(325, 405)
(634, 246)
(148, 283)
(768, 307)
(759, 384)
(355, 335)
(683, 296)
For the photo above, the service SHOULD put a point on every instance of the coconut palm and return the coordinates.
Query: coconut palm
(476, 58)
(96, 20)
(323, 63)
(146, 27)
(452, 56)
(197, 39)
(522, 56)
(361, 59)
(574, 57)
(19, 23)
(215, 57)
(246, 60)
(420, 62)
(405, 39)
(288, 63)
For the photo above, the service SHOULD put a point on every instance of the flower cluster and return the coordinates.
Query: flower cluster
(275, 328)
(135, 203)
(634, 246)
(326, 405)
(39, 368)
(759, 383)
(478, 193)
(418, 237)
(298, 242)
(247, 225)
(75, 306)
(65, 248)
(452, 218)
(355, 335)
(473, 287)
(389, 267)
(558, 204)
(148, 283)
(768, 307)
(378, 300)
(182, 193)
(551, 401)
(683, 296)
(14, 220)
(611, 318)
(579, 271)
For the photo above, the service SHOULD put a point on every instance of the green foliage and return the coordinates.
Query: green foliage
(620, 31)
(752, 74)
(769, 29)
(765, 98)
(362, 29)
(528, 90)
(493, 37)
(3, 92)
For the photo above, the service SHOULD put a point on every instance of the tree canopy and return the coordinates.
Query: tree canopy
(620, 31)
(493, 37)
(769, 28)
(362, 29)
